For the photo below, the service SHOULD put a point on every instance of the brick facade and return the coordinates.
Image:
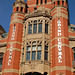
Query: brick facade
(53, 37)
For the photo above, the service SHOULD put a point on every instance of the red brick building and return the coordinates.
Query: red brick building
(41, 41)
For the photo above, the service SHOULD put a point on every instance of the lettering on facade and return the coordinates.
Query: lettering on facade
(59, 42)
(11, 46)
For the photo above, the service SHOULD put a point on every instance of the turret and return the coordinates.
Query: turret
(11, 57)
(60, 49)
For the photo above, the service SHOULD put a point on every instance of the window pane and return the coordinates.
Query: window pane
(28, 48)
(46, 28)
(35, 28)
(35, 21)
(38, 55)
(39, 47)
(33, 55)
(1, 59)
(28, 56)
(46, 55)
(34, 43)
(74, 56)
(46, 47)
(29, 29)
(33, 47)
(39, 27)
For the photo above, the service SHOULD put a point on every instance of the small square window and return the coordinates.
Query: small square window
(33, 47)
(39, 47)
(28, 48)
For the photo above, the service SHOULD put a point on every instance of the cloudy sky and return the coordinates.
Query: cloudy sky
(6, 10)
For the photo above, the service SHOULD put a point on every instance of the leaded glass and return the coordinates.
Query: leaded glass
(38, 55)
(28, 56)
(33, 55)
(39, 27)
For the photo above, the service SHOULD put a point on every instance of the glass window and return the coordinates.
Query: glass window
(17, 8)
(28, 48)
(38, 55)
(1, 59)
(28, 56)
(37, 2)
(58, 2)
(29, 29)
(46, 28)
(41, 1)
(39, 47)
(39, 27)
(34, 43)
(33, 55)
(35, 28)
(46, 47)
(46, 55)
(21, 9)
(45, 1)
(35, 21)
(33, 47)
(74, 56)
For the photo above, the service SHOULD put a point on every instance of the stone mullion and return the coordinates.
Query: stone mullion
(32, 27)
(43, 30)
(25, 46)
(31, 53)
(37, 26)
(36, 50)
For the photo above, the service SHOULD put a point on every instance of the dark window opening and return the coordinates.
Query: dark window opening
(54, 3)
(46, 28)
(28, 56)
(21, 9)
(46, 55)
(38, 55)
(46, 47)
(17, 8)
(40, 28)
(74, 56)
(58, 2)
(41, 1)
(37, 2)
(62, 2)
(45, 1)
(29, 29)
(35, 28)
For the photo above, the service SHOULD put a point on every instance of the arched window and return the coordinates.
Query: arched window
(37, 2)
(21, 9)
(58, 2)
(41, 1)
(17, 8)
(45, 1)
(62, 2)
